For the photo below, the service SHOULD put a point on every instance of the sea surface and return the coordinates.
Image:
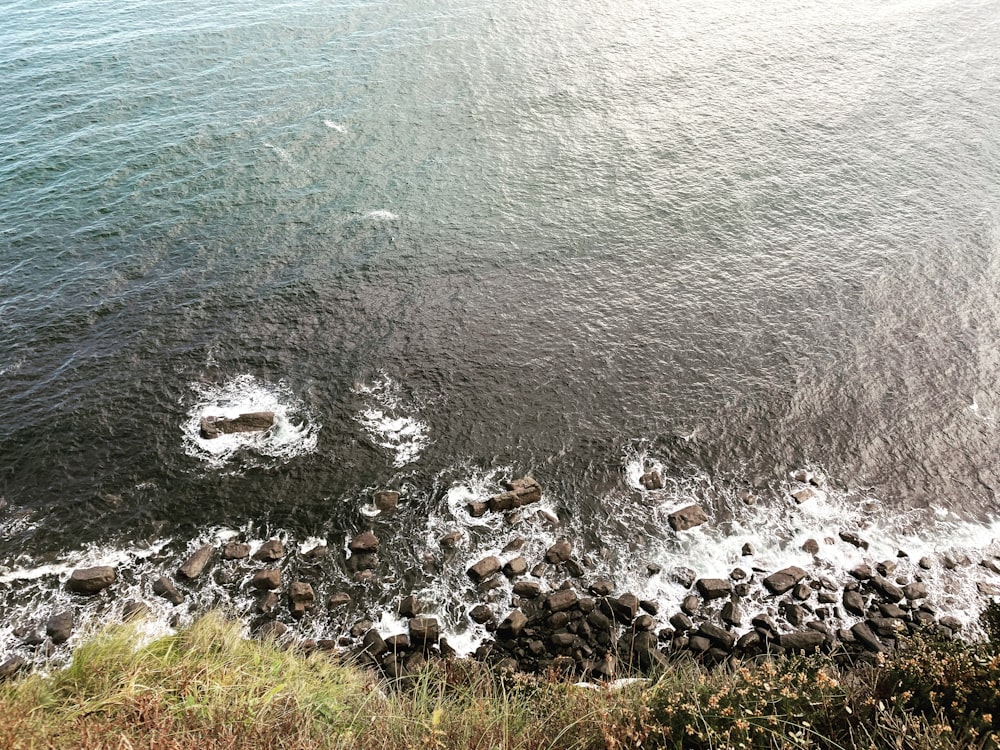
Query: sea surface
(453, 242)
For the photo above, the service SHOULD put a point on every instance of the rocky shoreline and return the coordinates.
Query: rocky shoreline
(559, 618)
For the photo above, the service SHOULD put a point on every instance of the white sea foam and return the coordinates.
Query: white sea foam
(390, 422)
(335, 126)
(294, 433)
(382, 214)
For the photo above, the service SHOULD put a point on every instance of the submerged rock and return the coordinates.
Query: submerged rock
(91, 580)
(687, 518)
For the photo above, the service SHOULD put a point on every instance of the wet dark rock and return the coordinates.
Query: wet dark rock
(398, 642)
(165, 588)
(649, 606)
(863, 634)
(316, 554)
(738, 574)
(713, 588)
(643, 622)
(59, 627)
(699, 643)
(624, 608)
(451, 539)
(485, 568)
(270, 551)
(652, 480)
(826, 597)
(804, 494)
(216, 426)
(987, 589)
(386, 500)
(301, 598)
(12, 666)
(887, 590)
(783, 580)
(513, 624)
(681, 622)
(481, 614)
(373, 644)
(424, 631)
(523, 491)
(91, 580)
(559, 552)
(601, 588)
(748, 550)
(195, 565)
(477, 508)
(687, 518)
(643, 650)
(801, 640)
(731, 614)
(409, 606)
(952, 623)
(913, 591)
(515, 567)
(267, 579)
(852, 538)
(926, 563)
(690, 604)
(891, 610)
(861, 572)
(719, 636)
(854, 603)
(572, 568)
(811, 546)
(235, 551)
(366, 541)
(267, 603)
(793, 613)
(886, 568)
(802, 591)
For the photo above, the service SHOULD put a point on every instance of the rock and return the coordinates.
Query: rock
(270, 551)
(783, 580)
(235, 551)
(731, 614)
(366, 541)
(687, 518)
(194, 566)
(451, 539)
(133, 611)
(625, 607)
(926, 563)
(601, 588)
(644, 652)
(165, 588)
(373, 644)
(522, 492)
(649, 606)
(713, 588)
(301, 598)
(748, 550)
(801, 640)
(572, 568)
(886, 568)
(793, 613)
(317, 553)
(483, 569)
(804, 476)
(561, 599)
(11, 667)
(559, 552)
(513, 624)
(852, 538)
(59, 627)
(267, 603)
(887, 590)
(515, 567)
(804, 494)
(914, 591)
(886, 627)
(338, 599)
(853, 603)
(952, 623)
(409, 606)
(811, 546)
(481, 614)
(861, 572)
(527, 589)
(684, 576)
(91, 580)
(987, 589)
(863, 634)
(257, 421)
(690, 604)
(644, 622)
(424, 631)
(267, 579)
(720, 636)
(652, 480)
(386, 500)
(802, 591)
(738, 574)
(681, 622)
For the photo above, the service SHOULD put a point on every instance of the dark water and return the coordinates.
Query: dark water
(457, 241)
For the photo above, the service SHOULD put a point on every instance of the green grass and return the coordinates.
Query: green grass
(206, 687)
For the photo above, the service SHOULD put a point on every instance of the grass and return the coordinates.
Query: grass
(206, 687)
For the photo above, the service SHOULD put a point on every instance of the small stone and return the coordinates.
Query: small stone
(409, 606)
(748, 550)
(811, 546)
(481, 614)
(926, 563)
(366, 541)
(165, 588)
(527, 589)
(690, 604)
(861, 572)
(270, 551)
(652, 480)
(852, 538)
(801, 591)
(804, 494)
(515, 567)
(451, 539)
(485, 568)
(59, 627)
(783, 580)
(572, 568)
(886, 568)
(714, 588)
(338, 599)
(601, 588)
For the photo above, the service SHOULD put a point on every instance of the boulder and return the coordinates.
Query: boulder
(561, 599)
(267, 603)
(485, 568)
(59, 627)
(271, 630)
(527, 589)
(854, 603)
(804, 494)
(194, 566)
(801, 640)
(811, 546)
(687, 518)
(301, 598)
(852, 538)
(887, 589)
(713, 588)
(515, 567)
(481, 614)
(863, 634)
(513, 624)
(601, 588)
(338, 599)
(748, 550)
(267, 579)
(451, 539)
(624, 608)
(652, 480)
(270, 551)
(783, 580)
(11, 667)
(558, 552)
(719, 636)
(916, 590)
(133, 611)
(409, 606)
(216, 426)
(521, 492)
(235, 551)
(424, 631)
(373, 644)
(165, 588)
(91, 580)
(366, 541)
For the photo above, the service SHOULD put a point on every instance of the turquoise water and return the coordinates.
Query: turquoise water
(451, 241)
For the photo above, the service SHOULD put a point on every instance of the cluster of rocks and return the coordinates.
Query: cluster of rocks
(578, 627)
(257, 421)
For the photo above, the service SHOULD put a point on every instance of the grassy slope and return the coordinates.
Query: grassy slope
(208, 688)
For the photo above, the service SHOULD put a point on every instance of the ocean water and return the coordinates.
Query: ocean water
(451, 242)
